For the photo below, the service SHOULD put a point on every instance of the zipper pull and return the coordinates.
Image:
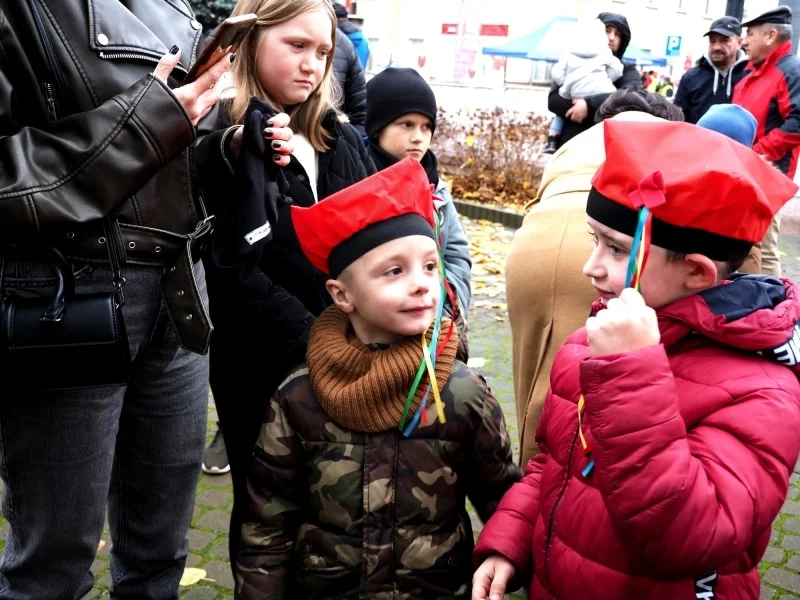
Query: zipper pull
(50, 98)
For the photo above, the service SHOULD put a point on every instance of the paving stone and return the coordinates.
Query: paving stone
(219, 498)
(98, 566)
(794, 493)
(791, 507)
(217, 481)
(192, 559)
(220, 572)
(793, 563)
(218, 520)
(766, 593)
(198, 540)
(774, 556)
(200, 593)
(793, 478)
(791, 542)
(221, 549)
(791, 525)
(93, 594)
(104, 580)
(783, 579)
(774, 535)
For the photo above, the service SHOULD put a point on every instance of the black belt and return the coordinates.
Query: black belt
(153, 247)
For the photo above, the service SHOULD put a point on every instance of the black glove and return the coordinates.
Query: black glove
(246, 221)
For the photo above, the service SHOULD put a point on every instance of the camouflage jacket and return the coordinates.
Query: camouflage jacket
(342, 514)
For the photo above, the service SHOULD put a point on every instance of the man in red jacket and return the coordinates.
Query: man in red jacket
(772, 93)
(670, 429)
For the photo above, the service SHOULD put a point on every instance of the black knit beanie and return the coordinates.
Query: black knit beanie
(393, 93)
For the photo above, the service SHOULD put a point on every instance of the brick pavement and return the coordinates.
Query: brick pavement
(490, 339)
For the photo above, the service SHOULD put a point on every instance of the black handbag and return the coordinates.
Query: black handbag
(69, 341)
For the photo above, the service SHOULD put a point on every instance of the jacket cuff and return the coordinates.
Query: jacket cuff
(162, 117)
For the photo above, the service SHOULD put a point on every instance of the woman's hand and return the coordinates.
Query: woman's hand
(201, 95)
(278, 135)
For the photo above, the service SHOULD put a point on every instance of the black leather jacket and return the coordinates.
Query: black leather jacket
(87, 131)
(119, 142)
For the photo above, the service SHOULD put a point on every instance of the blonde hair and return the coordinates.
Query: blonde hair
(307, 116)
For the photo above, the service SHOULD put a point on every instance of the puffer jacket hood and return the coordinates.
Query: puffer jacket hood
(753, 313)
(691, 441)
(621, 24)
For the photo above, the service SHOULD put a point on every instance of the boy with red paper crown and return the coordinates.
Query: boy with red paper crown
(368, 451)
(671, 426)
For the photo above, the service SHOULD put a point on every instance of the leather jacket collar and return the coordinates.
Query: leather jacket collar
(114, 34)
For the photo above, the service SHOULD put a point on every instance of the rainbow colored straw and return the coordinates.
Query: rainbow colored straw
(430, 353)
(650, 194)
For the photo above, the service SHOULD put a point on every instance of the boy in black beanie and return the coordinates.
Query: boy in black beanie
(401, 119)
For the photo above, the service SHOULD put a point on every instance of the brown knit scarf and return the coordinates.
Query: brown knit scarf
(363, 389)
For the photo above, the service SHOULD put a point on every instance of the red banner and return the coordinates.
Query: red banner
(486, 30)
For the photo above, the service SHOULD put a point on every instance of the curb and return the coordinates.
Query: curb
(472, 210)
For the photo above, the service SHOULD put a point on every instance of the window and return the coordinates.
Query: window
(715, 9)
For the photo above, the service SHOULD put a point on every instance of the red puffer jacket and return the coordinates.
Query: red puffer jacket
(693, 442)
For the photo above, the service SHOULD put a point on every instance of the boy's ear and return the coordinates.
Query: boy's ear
(702, 272)
(341, 297)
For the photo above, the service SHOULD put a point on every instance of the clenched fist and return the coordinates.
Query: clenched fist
(627, 325)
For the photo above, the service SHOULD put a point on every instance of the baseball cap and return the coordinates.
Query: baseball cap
(727, 26)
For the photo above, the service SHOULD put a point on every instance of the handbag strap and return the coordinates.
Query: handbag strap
(113, 236)
(116, 253)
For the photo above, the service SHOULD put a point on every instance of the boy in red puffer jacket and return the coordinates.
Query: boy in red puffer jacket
(671, 426)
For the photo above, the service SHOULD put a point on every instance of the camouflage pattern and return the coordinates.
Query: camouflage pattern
(343, 514)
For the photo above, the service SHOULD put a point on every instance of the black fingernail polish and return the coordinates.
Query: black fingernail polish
(270, 123)
(174, 50)
(233, 57)
(276, 157)
(268, 133)
(276, 144)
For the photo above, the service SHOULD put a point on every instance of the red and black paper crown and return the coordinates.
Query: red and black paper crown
(707, 193)
(391, 204)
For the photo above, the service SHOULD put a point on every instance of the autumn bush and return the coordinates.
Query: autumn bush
(491, 156)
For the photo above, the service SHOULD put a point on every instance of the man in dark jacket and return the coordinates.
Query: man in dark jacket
(713, 79)
(350, 76)
(579, 113)
(353, 33)
(771, 92)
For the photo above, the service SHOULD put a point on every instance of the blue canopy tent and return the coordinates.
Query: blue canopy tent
(550, 42)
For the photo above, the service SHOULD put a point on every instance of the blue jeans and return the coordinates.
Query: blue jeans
(65, 456)
(556, 127)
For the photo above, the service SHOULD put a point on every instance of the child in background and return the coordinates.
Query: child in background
(361, 472)
(670, 430)
(401, 120)
(589, 68)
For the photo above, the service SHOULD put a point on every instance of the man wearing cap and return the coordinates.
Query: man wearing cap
(713, 79)
(578, 114)
(771, 92)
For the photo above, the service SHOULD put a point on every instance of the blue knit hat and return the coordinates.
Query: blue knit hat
(731, 120)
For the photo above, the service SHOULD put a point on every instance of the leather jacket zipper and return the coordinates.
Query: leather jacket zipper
(49, 50)
(50, 98)
(561, 491)
(135, 56)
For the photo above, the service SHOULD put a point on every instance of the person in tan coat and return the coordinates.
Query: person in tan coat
(548, 296)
